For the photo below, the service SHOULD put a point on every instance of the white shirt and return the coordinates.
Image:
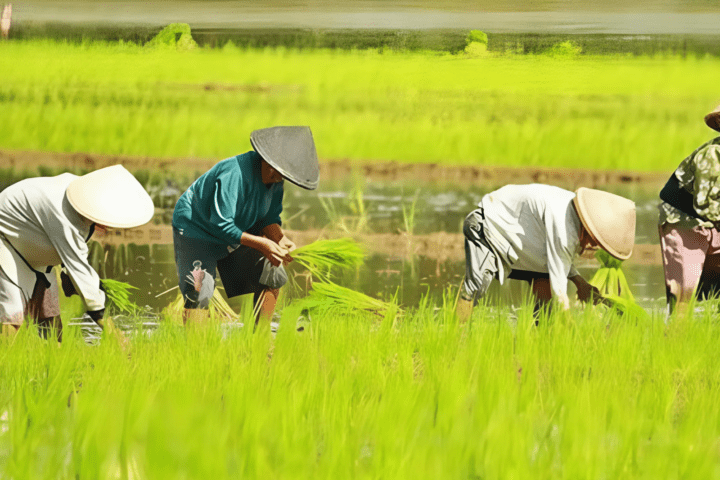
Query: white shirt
(38, 220)
(536, 228)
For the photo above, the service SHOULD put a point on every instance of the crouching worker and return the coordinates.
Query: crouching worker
(47, 221)
(688, 224)
(534, 232)
(229, 220)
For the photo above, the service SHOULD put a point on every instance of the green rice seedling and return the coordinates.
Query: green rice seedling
(613, 286)
(322, 256)
(218, 308)
(609, 278)
(613, 112)
(118, 294)
(425, 399)
(328, 295)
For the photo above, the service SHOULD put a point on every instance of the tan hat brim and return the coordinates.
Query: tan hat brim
(609, 218)
(111, 196)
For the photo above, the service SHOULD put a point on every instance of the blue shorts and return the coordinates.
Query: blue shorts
(243, 270)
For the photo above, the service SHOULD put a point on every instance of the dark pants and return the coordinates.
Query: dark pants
(244, 270)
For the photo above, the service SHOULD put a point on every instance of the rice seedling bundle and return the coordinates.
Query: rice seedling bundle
(613, 286)
(329, 295)
(609, 278)
(321, 256)
(118, 294)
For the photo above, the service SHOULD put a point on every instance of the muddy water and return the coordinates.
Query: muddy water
(381, 210)
(152, 270)
(378, 210)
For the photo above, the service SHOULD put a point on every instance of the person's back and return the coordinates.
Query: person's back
(34, 213)
(520, 220)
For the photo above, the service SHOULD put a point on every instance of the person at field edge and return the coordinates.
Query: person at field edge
(534, 232)
(688, 223)
(47, 221)
(229, 220)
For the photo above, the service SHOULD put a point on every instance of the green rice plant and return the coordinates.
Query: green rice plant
(328, 295)
(613, 286)
(580, 396)
(421, 400)
(322, 256)
(118, 294)
(609, 278)
(612, 112)
(218, 308)
(409, 214)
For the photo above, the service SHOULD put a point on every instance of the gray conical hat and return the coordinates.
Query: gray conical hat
(609, 218)
(111, 196)
(290, 151)
(712, 119)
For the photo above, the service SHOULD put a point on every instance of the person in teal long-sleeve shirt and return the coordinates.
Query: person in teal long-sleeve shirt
(229, 220)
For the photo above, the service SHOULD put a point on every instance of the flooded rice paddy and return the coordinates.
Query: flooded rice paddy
(412, 235)
(411, 232)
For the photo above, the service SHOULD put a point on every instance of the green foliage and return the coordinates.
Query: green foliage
(582, 396)
(322, 256)
(176, 36)
(476, 36)
(326, 295)
(605, 112)
(476, 49)
(118, 294)
(566, 49)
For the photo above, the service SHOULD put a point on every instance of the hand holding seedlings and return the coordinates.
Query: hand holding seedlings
(276, 254)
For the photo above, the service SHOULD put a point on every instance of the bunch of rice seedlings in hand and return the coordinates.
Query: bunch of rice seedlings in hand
(118, 293)
(321, 256)
(327, 295)
(609, 278)
(613, 286)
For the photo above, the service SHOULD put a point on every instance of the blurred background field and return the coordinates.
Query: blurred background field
(558, 110)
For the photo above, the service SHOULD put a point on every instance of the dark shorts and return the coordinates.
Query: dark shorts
(528, 275)
(242, 271)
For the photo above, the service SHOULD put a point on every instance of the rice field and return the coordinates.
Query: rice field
(585, 395)
(596, 111)
(405, 393)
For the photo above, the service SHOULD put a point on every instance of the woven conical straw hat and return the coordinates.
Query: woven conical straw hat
(291, 151)
(712, 119)
(111, 196)
(609, 218)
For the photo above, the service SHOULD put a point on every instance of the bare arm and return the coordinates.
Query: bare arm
(270, 249)
(275, 233)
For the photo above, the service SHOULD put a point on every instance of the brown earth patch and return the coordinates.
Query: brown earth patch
(462, 176)
(439, 246)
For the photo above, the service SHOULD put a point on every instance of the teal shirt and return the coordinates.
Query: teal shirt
(227, 200)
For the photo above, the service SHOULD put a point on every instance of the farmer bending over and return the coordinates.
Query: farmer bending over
(688, 224)
(533, 233)
(229, 219)
(47, 221)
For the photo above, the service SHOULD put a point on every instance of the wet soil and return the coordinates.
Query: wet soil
(438, 246)
(334, 170)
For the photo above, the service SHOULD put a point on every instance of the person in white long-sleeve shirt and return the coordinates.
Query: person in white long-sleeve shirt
(47, 221)
(535, 232)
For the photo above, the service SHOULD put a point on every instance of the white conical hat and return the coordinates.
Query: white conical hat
(111, 196)
(609, 218)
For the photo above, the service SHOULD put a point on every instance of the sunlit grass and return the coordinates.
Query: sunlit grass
(579, 396)
(608, 112)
